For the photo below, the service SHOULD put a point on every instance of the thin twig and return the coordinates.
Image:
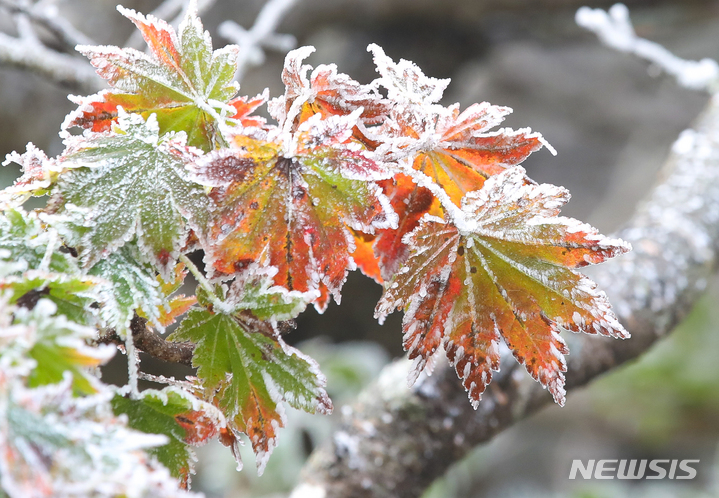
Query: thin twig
(67, 36)
(614, 29)
(262, 34)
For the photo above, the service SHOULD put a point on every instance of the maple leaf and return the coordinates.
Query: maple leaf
(457, 150)
(130, 183)
(183, 418)
(410, 201)
(29, 244)
(39, 173)
(43, 269)
(325, 92)
(285, 203)
(136, 288)
(505, 271)
(57, 346)
(174, 306)
(405, 82)
(245, 106)
(364, 256)
(181, 80)
(73, 295)
(247, 369)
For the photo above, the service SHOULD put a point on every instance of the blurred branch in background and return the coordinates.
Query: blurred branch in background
(55, 58)
(49, 58)
(615, 30)
(261, 35)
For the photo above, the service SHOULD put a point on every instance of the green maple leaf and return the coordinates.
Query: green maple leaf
(43, 268)
(181, 79)
(247, 370)
(25, 241)
(134, 286)
(57, 345)
(184, 419)
(130, 183)
(73, 295)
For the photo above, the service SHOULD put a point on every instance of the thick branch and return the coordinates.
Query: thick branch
(396, 441)
(152, 343)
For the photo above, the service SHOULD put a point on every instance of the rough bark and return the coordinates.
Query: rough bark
(152, 343)
(395, 441)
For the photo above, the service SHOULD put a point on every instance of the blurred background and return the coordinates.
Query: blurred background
(612, 119)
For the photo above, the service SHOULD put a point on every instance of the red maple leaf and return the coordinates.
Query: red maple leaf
(504, 270)
(290, 206)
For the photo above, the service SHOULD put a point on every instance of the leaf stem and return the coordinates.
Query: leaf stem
(132, 364)
(218, 303)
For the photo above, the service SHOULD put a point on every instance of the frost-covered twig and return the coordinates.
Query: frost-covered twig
(261, 35)
(29, 53)
(59, 68)
(395, 441)
(48, 17)
(615, 30)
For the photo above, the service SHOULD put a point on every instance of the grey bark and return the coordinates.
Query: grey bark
(395, 441)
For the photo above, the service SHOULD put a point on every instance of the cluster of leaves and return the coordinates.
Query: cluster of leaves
(59, 433)
(426, 199)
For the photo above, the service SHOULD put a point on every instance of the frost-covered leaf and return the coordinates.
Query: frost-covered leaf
(174, 305)
(508, 274)
(364, 256)
(73, 295)
(285, 204)
(27, 243)
(410, 202)
(247, 370)
(456, 150)
(325, 92)
(463, 151)
(38, 174)
(177, 414)
(405, 82)
(56, 445)
(265, 301)
(182, 80)
(245, 106)
(134, 286)
(129, 183)
(55, 344)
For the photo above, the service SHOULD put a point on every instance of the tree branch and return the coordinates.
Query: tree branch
(395, 441)
(262, 34)
(63, 69)
(152, 343)
(64, 32)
